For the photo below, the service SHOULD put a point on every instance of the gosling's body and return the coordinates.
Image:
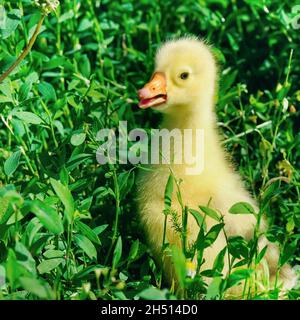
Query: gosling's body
(190, 105)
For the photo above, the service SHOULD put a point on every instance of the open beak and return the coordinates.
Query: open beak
(154, 93)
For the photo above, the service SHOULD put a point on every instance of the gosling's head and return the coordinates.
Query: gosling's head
(185, 75)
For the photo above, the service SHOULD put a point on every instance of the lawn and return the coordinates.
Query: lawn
(68, 225)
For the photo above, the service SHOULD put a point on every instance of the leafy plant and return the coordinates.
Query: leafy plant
(68, 225)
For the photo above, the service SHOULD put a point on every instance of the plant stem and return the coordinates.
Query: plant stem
(118, 210)
(34, 173)
(25, 51)
(69, 249)
(117, 192)
(50, 122)
(163, 248)
(184, 229)
(99, 38)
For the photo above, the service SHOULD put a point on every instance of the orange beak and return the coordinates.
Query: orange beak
(154, 93)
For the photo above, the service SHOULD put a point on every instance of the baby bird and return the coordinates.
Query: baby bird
(183, 89)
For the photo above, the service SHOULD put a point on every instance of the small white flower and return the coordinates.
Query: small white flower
(86, 287)
(190, 268)
(47, 6)
(98, 273)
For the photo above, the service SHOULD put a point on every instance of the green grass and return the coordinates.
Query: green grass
(68, 226)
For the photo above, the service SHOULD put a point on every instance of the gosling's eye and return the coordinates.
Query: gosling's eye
(184, 75)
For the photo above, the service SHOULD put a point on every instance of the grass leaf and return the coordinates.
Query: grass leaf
(212, 234)
(86, 245)
(48, 265)
(87, 231)
(48, 216)
(199, 218)
(65, 196)
(179, 264)
(12, 163)
(78, 138)
(28, 117)
(210, 212)
(242, 208)
(152, 293)
(117, 253)
(237, 276)
(38, 287)
(168, 192)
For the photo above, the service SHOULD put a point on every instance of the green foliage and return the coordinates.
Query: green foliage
(242, 208)
(68, 226)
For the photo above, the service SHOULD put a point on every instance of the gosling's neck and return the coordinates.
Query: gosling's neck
(197, 115)
(200, 115)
